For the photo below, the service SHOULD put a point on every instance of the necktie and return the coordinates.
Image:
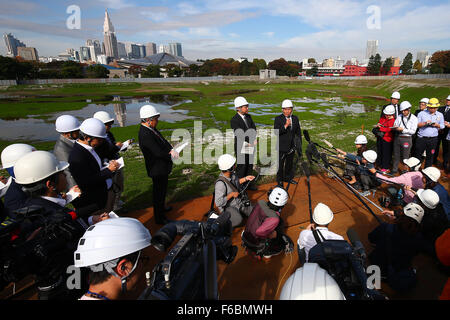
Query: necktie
(246, 120)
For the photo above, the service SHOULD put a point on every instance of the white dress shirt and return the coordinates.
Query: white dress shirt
(409, 126)
(306, 239)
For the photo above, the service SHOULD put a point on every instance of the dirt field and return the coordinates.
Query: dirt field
(249, 279)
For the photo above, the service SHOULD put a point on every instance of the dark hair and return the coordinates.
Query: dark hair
(38, 189)
(102, 276)
(362, 149)
(274, 207)
(408, 224)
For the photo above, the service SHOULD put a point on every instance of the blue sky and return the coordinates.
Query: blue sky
(269, 29)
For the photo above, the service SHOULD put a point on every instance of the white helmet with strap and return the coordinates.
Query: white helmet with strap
(226, 162)
(287, 104)
(103, 116)
(14, 152)
(239, 102)
(94, 128)
(322, 214)
(67, 123)
(361, 139)
(278, 197)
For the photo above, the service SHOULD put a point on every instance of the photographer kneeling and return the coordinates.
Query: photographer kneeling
(228, 193)
(112, 250)
(263, 232)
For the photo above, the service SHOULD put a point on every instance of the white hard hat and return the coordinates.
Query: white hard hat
(103, 116)
(370, 156)
(278, 197)
(405, 105)
(361, 139)
(448, 98)
(148, 111)
(413, 210)
(389, 110)
(322, 214)
(14, 152)
(287, 104)
(425, 100)
(433, 173)
(93, 127)
(311, 282)
(413, 163)
(226, 161)
(36, 166)
(428, 197)
(395, 95)
(67, 123)
(111, 239)
(239, 102)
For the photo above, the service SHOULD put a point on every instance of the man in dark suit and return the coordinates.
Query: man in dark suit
(244, 139)
(289, 141)
(395, 101)
(158, 154)
(445, 110)
(86, 167)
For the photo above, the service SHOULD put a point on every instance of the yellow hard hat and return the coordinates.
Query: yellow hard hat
(433, 103)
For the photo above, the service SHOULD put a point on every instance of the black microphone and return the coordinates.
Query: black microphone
(357, 244)
(306, 169)
(309, 153)
(306, 134)
(324, 158)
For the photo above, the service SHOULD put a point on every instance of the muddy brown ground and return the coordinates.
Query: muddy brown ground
(248, 278)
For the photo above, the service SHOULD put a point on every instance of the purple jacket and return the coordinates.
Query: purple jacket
(412, 179)
(261, 223)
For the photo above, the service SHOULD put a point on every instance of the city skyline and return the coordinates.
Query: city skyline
(232, 29)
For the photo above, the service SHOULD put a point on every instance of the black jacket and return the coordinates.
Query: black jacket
(88, 176)
(238, 123)
(287, 135)
(397, 109)
(14, 197)
(155, 149)
(446, 118)
(108, 149)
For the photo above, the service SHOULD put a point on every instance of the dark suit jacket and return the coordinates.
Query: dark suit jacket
(14, 197)
(286, 136)
(238, 123)
(91, 180)
(397, 109)
(155, 149)
(446, 118)
(108, 149)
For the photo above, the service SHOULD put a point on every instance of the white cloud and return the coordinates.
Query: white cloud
(204, 32)
(268, 34)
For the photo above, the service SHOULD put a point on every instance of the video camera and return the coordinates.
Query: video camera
(39, 243)
(189, 270)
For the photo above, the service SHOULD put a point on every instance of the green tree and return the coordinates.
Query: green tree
(11, 69)
(97, 71)
(407, 64)
(245, 68)
(417, 66)
(387, 65)
(152, 71)
(312, 60)
(374, 66)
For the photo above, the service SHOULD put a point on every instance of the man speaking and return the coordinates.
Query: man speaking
(289, 140)
(158, 154)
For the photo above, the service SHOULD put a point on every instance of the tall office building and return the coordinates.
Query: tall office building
(122, 51)
(28, 53)
(372, 48)
(97, 46)
(421, 56)
(133, 51)
(109, 36)
(142, 53)
(163, 48)
(85, 54)
(150, 49)
(175, 49)
(12, 44)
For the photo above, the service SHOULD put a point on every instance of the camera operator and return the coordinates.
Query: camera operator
(14, 196)
(112, 250)
(263, 232)
(227, 191)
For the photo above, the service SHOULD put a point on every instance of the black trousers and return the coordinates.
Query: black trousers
(285, 162)
(159, 195)
(385, 154)
(244, 168)
(441, 139)
(428, 144)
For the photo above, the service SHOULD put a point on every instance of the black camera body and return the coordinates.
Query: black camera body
(47, 254)
(189, 270)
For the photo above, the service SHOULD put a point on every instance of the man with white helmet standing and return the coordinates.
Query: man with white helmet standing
(110, 151)
(87, 169)
(244, 139)
(322, 217)
(394, 101)
(429, 123)
(263, 232)
(289, 141)
(14, 196)
(158, 154)
(445, 110)
(405, 126)
(112, 250)
(69, 129)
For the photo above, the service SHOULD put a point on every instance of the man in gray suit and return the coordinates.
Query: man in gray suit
(69, 128)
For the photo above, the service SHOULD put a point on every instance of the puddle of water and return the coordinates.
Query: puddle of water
(125, 114)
